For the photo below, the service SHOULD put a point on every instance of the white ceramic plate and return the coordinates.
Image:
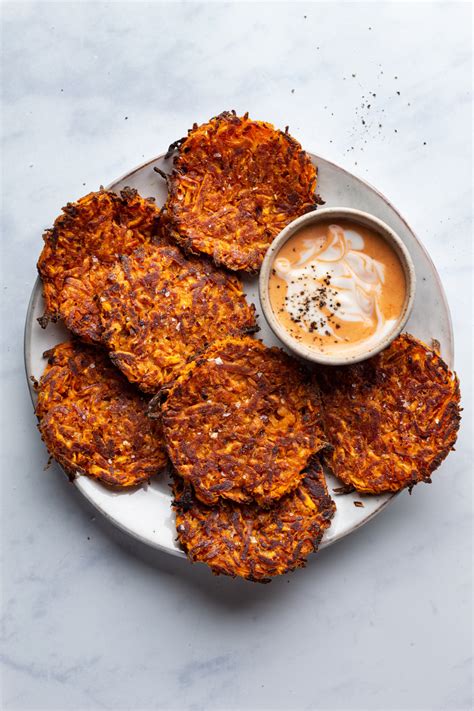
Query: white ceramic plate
(146, 512)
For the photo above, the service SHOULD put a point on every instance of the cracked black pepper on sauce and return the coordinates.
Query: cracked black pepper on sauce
(337, 285)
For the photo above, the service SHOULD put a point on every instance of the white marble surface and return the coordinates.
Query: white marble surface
(91, 620)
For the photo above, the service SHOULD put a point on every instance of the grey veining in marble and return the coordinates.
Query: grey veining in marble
(92, 620)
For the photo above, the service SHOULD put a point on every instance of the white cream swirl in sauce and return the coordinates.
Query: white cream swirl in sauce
(334, 280)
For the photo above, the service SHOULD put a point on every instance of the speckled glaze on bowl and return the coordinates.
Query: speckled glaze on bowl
(358, 353)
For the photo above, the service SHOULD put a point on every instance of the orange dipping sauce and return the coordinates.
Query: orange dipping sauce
(337, 285)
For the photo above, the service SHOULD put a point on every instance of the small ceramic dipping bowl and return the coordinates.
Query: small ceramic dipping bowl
(359, 352)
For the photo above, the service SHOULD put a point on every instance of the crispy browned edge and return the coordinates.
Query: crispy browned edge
(452, 427)
(250, 265)
(186, 504)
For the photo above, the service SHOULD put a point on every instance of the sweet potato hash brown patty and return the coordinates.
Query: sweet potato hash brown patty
(160, 308)
(392, 419)
(235, 185)
(241, 422)
(254, 543)
(78, 251)
(93, 421)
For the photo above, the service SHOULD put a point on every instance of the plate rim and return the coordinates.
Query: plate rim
(27, 337)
